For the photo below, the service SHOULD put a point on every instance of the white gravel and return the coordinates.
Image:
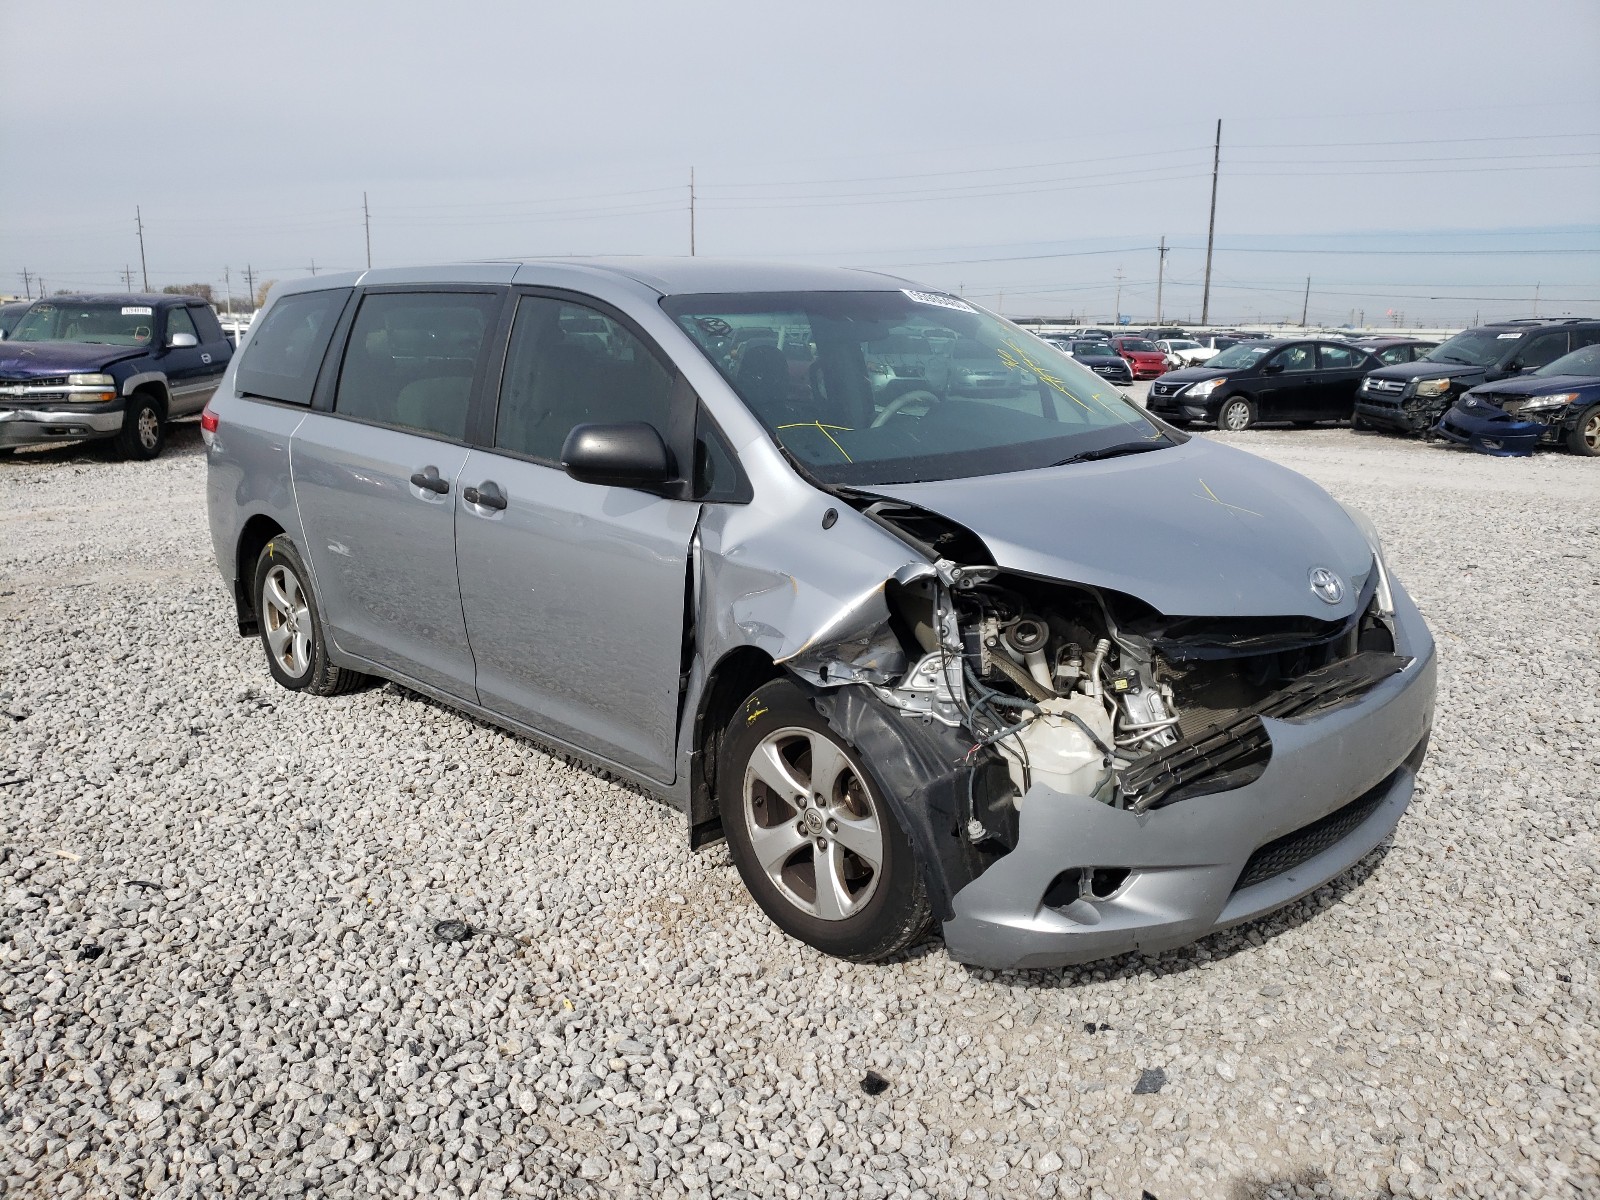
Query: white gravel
(218, 972)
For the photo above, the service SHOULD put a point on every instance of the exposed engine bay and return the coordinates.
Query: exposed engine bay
(1093, 693)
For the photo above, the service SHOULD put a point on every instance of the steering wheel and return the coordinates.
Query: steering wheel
(900, 401)
(715, 326)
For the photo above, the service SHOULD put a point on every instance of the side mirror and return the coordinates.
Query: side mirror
(631, 454)
(1272, 368)
(182, 341)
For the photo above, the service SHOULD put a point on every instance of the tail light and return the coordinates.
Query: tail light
(208, 423)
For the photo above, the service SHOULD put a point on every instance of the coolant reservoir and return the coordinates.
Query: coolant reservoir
(1059, 753)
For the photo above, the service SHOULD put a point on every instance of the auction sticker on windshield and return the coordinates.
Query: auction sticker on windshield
(135, 310)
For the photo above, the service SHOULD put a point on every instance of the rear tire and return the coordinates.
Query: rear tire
(1236, 415)
(291, 625)
(144, 428)
(1584, 437)
(805, 821)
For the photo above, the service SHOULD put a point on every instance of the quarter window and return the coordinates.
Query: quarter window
(284, 350)
(569, 365)
(412, 358)
(178, 322)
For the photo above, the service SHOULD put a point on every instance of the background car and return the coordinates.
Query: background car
(1411, 397)
(1186, 352)
(1145, 358)
(1099, 357)
(1295, 380)
(975, 370)
(1558, 404)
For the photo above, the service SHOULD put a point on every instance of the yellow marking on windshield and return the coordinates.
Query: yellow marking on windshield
(824, 428)
(1212, 496)
(1025, 360)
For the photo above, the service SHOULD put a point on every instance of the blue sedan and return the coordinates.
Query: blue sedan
(1558, 404)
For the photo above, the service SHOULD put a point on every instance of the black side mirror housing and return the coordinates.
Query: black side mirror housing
(630, 454)
(1272, 369)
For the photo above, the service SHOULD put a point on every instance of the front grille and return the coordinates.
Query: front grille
(1392, 386)
(1304, 844)
(1166, 389)
(32, 381)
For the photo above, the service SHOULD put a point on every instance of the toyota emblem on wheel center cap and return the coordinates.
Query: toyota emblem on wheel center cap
(1326, 585)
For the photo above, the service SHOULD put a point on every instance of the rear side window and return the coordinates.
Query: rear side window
(412, 358)
(1297, 359)
(569, 365)
(1340, 358)
(206, 323)
(285, 348)
(1542, 350)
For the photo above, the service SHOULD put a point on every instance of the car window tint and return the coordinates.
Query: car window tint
(1585, 337)
(1296, 359)
(206, 323)
(178, 322)
(568, 365)
(412, 357)
(284, 348)
(1340, 358)
(1542, 350)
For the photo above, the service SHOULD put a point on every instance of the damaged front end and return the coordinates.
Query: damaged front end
(1083, 775)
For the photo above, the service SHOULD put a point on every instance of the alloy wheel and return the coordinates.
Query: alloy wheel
(286, 617)
(814, 825)
(1591, 433)
(149, 428)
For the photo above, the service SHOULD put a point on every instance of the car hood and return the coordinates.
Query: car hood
(1425, 370)
(1197, 530)
(29, 360)
(1195, 374)
(1097, 358)
(1536, 385)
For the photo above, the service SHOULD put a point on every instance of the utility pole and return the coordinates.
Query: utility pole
(127, 276)
(1116, 315)
(691, 212)
(250, 284)
(313, 267)
(227, 283)
(1305, 305)
(1211, 227)
(138, 218)
(366, 221)
(27, 284)
(1161, 274)
(1536, 299)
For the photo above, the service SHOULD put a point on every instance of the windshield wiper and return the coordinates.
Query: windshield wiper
(1116, 451)
(1452, 358)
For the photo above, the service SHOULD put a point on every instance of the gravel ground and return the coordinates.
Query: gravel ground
(219, 974)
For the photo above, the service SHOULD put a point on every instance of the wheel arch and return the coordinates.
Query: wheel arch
(153, 383)
(253, 538)
(736, 674)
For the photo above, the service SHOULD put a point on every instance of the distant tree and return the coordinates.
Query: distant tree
(203, 290)
(261, 292)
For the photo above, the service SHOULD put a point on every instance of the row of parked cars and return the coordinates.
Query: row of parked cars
(1502, 388)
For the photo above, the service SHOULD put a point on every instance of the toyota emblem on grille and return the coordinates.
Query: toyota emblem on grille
(1326, 585)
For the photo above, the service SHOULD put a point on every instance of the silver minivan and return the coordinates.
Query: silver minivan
(1027, 664)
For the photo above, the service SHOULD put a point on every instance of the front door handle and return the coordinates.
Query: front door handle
(486, 495)
(429, 481)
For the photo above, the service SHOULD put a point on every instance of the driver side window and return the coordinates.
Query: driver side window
(1542, 351)
(178, 321)
(1296, 359)
(569, 365)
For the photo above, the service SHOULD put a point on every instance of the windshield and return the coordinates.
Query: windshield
(1178, 344)
(969, 394)
(1139, 344)
(111, 324)
(1241, 354)
(1094, 348)
(10, 314)
(1579, 362)
(1474, 348)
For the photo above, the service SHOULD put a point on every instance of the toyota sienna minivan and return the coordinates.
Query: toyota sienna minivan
(1027, 666)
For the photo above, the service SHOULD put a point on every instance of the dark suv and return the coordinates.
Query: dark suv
(1411, 397)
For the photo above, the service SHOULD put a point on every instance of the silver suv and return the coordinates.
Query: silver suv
(1027, 664)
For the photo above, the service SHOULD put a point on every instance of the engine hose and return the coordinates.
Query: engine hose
(1021, 678)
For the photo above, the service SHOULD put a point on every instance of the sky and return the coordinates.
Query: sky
(1418, 163)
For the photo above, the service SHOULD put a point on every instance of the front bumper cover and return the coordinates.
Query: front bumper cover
(40, 426)
(1337, 783)
(1494, 431)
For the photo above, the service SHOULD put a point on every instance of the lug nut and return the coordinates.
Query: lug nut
(822, 843)
(833, 827)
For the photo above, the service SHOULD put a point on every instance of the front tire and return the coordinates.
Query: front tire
(291, 626)
(814, 840)
(1584, 437)
(1236, 415)
(144, 428)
